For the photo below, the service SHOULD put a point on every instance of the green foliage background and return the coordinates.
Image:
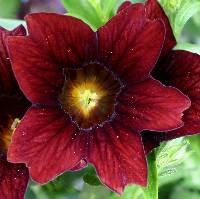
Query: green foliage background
(174, 168)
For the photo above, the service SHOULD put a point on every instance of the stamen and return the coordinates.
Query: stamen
(15, 124)
(88, 100)
(7, 131)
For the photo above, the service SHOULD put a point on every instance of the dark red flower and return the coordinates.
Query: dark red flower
(92, 95)
(182, 70)
(177, 68)
(13, 177)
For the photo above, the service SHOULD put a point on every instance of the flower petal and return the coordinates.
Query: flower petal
(124, 5)
(124, 43)
(69, 41)
(13, 179)
(118, 156)
(152, 140)
(159, 108)
(38, 76)
(47, 141)
(155, 11)
(182, 70)
(8, 83)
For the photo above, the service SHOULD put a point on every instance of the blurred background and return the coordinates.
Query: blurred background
(178, 161)
(19, 8)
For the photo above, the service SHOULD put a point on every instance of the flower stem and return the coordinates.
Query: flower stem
(151, 192)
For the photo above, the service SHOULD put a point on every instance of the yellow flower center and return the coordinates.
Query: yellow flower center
(6, 133)
(88, 95)
(88, 100)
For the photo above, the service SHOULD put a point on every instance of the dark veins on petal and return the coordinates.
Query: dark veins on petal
(153, 11)
(181, 69)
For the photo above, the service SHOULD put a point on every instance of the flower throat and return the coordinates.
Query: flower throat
(89, 95)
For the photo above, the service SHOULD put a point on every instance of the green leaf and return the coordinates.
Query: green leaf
(170, 155)
(10, 24)
(184, 14)
(131, 192)
(185, 194)
(108, 8)
(94, 192)
(82, 10)
(189, 47)
(185, 179)
(93, 12)
(9, 8)
(91, 179)
(30, 194)
(195, 144)
(179, 12)
(196, 19)
(151, 192)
